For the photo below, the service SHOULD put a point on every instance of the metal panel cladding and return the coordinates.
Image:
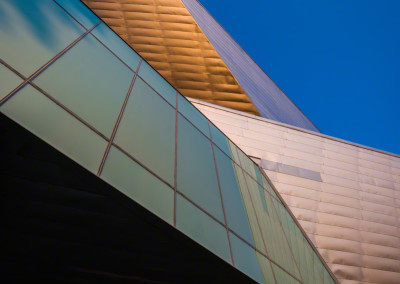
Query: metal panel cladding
(268, 98)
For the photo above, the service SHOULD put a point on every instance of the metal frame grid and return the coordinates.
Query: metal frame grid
(111, 142)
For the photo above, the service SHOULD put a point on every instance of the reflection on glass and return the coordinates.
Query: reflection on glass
(8, 81)
(51, 123)
(158, 83)
(34, 33)
(194, 115)
(147, 130)
(138, 184)
(196, 174)
(196, 224)
(117, 45)
(235, 213)
(266, 270)
(282, 277)
(245, 258)
(278, 248)
(79, 11)
(90, 81)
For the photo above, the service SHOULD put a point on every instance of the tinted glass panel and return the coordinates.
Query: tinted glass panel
(117, 45)
(158, 83)
(282, 277)
(138, 184)
(278, 248)
(44, 118)
(234, 209)
(196, 224)
(90, 81)
(194, 115)
(220, 139)
(147, 130)
(34, 33)
(245, 258)
(266, 269)
(196, 176)
(8, 81)
(79, 11)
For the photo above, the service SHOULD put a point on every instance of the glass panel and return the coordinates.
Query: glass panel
(234, 152)
(117, 45)
(80, 12)
(193, 115)
(282, 277)
(266, 270)
(269, 188)
(90, 81)
(199, 226)
(147, 130)
(158, 83)
(34, 33)
(318, 269)
(8, 81)
(234, 209)
(140, 185)
(220, 139)
(196, 174)
(278, 248)
(51, 123)
(252, 218)
(290, 229)
(245, 259)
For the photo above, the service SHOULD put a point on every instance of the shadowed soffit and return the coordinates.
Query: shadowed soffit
(167, 36)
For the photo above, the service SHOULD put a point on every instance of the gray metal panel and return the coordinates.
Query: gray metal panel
(268, 98)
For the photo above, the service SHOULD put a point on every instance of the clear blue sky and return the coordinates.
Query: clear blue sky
(339, 61)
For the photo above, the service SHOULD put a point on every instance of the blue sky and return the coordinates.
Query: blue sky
(339, 61)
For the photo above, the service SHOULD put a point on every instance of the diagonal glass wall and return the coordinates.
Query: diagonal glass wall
(66, 77)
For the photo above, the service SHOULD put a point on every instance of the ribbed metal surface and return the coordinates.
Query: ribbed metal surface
(165, 34)
(352, 215)
(268, 98)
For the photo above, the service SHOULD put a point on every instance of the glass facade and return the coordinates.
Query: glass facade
(80, 88)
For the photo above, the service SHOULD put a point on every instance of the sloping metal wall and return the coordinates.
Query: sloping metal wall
(268, 98)
(345, 196)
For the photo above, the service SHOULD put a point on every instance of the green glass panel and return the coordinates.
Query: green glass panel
(278, 248)
(269, 188)
(203, 229)
(147, 130)
(193, 115)
(245, 258)
(196, 174)
(34, 33)
(117, 45)
(8, 81)
(51, 123)
(282, 277)
(234, 152)
(220, 140)
(328, 278)
(140, 185)
(252, 217)
(80, 12)
(157, 82)
(90, 81)
(318, 269)
(234, 209)
(266, 270)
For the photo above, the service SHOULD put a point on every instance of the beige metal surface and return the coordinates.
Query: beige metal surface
(352, 215)
(165, 34)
